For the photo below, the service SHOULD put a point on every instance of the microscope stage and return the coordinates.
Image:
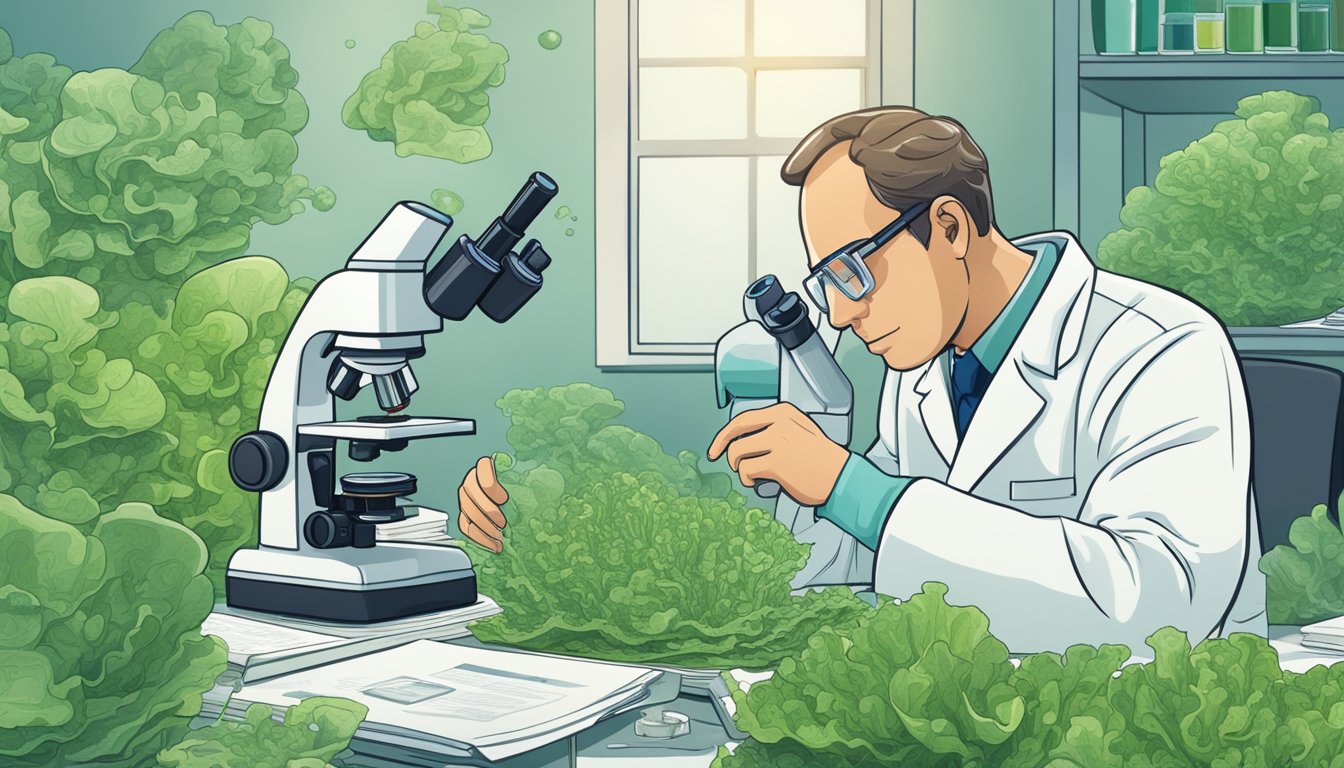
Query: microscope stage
(409, 429)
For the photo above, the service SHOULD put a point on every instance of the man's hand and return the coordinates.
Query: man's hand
(781, 443)
(479, 499)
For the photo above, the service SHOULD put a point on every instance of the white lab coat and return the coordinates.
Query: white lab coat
(1103, 487)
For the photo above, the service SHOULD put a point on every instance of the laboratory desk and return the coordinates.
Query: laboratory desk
(613, 743)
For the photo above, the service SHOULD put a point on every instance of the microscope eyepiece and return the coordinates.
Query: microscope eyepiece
(484, 271)
(789, 322)
(508, 229)
(458, 280)
(519, 282)
(761, 297)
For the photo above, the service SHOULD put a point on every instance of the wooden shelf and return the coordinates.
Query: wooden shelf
(1206, 84)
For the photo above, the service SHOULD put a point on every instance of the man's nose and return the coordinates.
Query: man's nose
(844, 311)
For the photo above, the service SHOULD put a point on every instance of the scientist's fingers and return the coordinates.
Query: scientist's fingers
(755, 444)
(742, 425)
(483, 503)
(470, 530)
(485, 474)
(464, 525)
(477, 526)
(756, 468)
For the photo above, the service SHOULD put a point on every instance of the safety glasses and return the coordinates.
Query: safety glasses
(845, 269)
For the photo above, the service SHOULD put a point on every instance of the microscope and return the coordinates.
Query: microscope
(780, 355)
(362, 326)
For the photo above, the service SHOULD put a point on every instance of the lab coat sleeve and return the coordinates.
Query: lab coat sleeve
(1161, 534)
(862, 499)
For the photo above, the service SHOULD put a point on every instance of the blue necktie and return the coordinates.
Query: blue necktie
(969, 381)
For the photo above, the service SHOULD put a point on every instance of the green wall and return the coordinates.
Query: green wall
(990, 65)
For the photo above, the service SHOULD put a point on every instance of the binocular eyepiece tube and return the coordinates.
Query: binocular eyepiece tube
(484, 272)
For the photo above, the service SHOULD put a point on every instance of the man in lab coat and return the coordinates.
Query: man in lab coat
(1065, 448)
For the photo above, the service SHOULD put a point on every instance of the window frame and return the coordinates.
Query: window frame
(890, 26)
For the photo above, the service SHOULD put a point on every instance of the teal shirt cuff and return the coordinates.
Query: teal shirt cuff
(862, 499)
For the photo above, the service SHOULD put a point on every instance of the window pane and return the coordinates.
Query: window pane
(810, 28)
(692, 103)
(791, 102)
(672, 29)
(779, 241)
(692, 247)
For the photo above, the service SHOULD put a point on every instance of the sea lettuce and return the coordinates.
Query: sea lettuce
(1304, 579)
(102, 650)
(135, 179)
(922, 683)
(313, 731)
(121, 386)
(617, 550)
(170, 388)
(1247, 219)
(430, 95)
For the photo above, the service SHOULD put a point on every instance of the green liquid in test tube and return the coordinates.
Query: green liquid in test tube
(1337, 26)
(1147, 31)
(1113, 26)
(1209, 23)
(1177, 27)
(1313, 27)
(1245, 26)
(1280, 26)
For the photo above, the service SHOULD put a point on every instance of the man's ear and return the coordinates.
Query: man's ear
(952, 224)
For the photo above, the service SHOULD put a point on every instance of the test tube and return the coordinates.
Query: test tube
(1178, 27)
(1209, 24)
(1313, 26)
(1146, 31)
(1113, 26)
(1337, 26)
(1280, 26)
(1245, 26)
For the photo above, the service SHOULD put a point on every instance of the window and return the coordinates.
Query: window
(698, 103)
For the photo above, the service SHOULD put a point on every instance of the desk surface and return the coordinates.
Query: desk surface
(592, 748)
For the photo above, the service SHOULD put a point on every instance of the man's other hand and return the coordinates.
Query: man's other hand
(781, 443)
(479, 500)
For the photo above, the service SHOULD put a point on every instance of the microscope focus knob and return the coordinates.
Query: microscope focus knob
(258, 460)
(328, 530)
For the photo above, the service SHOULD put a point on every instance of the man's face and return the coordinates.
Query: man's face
(920, 296)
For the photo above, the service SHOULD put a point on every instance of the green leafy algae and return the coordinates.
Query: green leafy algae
(430, 94)
(1248, 219)
(618, 550)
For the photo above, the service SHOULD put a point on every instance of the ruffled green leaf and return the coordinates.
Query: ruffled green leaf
(1240, 218)
(430, 94)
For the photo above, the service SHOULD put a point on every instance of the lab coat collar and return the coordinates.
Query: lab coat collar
(1020, 389)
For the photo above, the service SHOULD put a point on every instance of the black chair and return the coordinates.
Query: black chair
(1297, 442)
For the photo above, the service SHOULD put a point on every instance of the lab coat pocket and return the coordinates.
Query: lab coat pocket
(1041, 490)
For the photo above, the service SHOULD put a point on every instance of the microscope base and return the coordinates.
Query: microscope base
(388, 581)
(367, 605)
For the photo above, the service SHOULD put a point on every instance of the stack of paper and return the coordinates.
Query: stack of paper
(262, 645)
(431, 702)
(1325, 635)
(425, 526)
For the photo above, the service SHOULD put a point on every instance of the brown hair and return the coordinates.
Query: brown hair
(908, 156)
